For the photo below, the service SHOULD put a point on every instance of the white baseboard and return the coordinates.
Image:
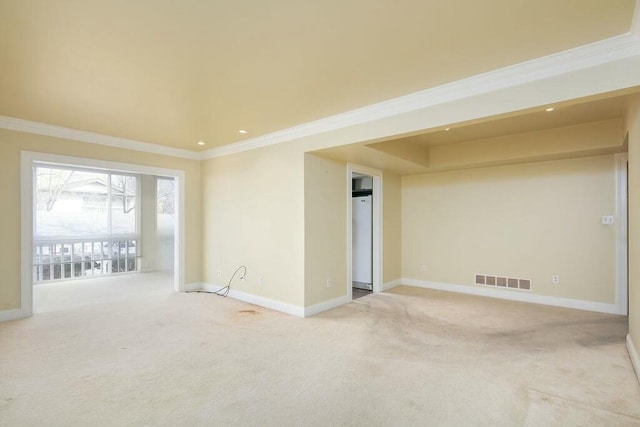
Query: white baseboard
(276, 305)
(515, 295)
(193, 286)
(326, 305)
(392, 284)
(633, 354)
(507, 294)
(13, 314)
(258, 300)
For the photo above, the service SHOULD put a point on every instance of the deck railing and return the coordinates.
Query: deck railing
(66, 259)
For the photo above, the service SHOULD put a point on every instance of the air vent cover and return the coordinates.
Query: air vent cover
(503, 282)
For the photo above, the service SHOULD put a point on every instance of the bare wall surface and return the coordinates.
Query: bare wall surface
(325, 198)
(633, 126)
(12, 143)
(253, 215)
(527, 221)
(603, 137)
(254, 201)
(391, 229)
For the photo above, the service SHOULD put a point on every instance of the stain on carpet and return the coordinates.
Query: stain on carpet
(548, 410)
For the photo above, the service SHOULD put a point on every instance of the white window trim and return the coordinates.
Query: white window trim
(27, 161)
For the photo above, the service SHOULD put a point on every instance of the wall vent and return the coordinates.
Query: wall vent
(503, 282)
(525, 284)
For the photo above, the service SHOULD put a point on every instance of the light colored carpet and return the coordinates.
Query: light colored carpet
(138, 354)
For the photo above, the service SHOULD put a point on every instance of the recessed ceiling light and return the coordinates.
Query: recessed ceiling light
(447, 128)
(242, 131)
(201, 143)
(549, 109)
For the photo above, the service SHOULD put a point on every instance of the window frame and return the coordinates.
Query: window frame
(109, 173)
(28, 158)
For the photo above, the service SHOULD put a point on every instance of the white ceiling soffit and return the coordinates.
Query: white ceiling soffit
(601, 52)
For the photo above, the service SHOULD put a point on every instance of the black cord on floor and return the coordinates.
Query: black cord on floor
(223, 292)
(218, 292)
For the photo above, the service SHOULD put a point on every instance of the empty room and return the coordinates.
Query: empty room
(320, 213)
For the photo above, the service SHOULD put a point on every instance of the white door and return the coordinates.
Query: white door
(362, 241)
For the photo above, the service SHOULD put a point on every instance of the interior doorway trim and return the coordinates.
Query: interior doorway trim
(376, 224)
(28, 158)
(622, 249)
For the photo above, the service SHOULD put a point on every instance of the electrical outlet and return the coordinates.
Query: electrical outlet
(329, 283)
(219, 272)
(423, 268)
(607, 219)
(555, 279)
(259, 281)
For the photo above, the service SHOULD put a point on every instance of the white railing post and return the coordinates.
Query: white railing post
(113, 255)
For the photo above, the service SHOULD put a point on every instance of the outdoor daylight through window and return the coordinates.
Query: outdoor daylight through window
(86, 223)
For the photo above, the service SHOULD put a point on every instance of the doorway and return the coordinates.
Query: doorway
(107, 197)
(362, 235)
(364, 231)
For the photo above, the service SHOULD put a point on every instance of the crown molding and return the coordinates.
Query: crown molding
(37, 128)
(583, 57)
(580, 58)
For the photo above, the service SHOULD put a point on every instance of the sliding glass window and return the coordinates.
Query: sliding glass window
(86, 222)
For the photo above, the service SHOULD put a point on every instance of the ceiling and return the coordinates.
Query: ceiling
(562, 115)
(175, 73)
(382, 155)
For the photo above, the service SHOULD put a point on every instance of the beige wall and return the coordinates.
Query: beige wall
(251, 201)
(247, 208)
(633, 126)
(251, 206)
(325, 228)
(325, 225)
(253, 215)
(11, 143)
(391, 230)
(602, 137)
(525, 221)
